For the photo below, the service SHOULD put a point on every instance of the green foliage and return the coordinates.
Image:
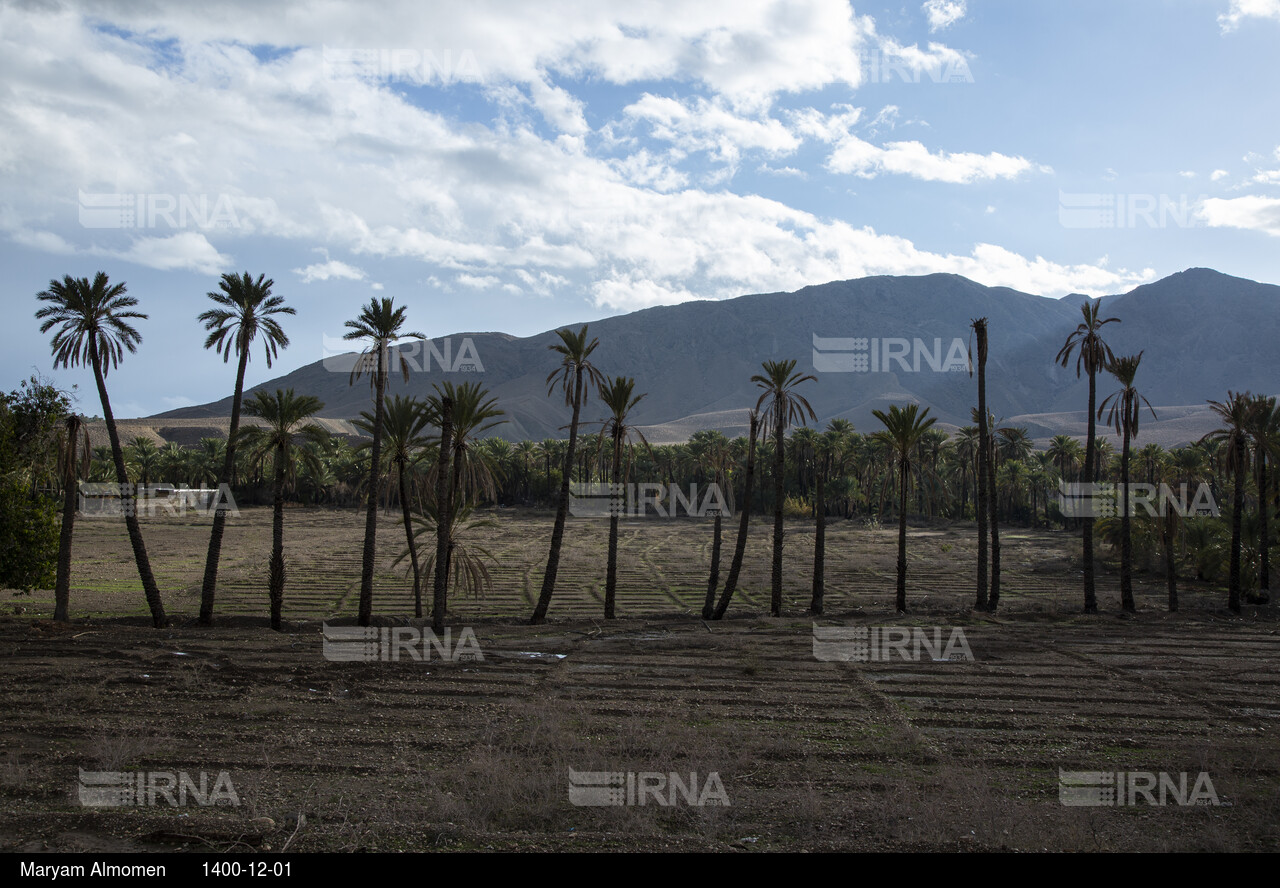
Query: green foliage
(28, 537)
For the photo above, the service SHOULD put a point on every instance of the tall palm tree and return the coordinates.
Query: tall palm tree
(404, 428)
(577, 377)
(1264, 428)
(287, 427)
(73, 461)
(1236, 414)
(470, 472)
(983, 480)
(93, 328)
(714, 454)
(830, 450)
(744, 519)
(619, 398)
(146, 457)
(245, 308)
(904, 427)
(379, 323)
(445, 515)
(1126, 407)
(784, 407)
(1092, 355)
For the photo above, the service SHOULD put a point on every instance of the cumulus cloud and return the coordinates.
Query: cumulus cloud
(853, 155)
(331, 270)
(361, 165)
(943, 13)
(1243, 9)
(1254, 213)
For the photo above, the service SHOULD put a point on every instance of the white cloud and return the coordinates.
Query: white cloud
(1187, 174)
(1218, 175)
(853, 155)
(943, 13)
(185, 251)
(1253, 213)
(478, 281)
(1242, 9)
(352, 164)
(702, 125)
(331, 270)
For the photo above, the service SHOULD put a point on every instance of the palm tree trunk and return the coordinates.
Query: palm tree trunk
(276, 582)
(1090, 592)
(62, 585)
(1264, 571)
(444, 518)
(1237, 513)
(562, 511)
(740, 547)
(149, 588)
(713, 580)
(1126, 539)
(371, 508)
(611, 579)
(902, 540)
(779, 458)
(413, 546)
(984, 447)
(993, 505)
(209, 586)
(819, 546)
(1168, 525)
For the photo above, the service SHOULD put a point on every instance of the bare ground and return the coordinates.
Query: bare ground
(812, 755)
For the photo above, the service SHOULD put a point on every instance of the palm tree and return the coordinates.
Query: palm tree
(286, 415)
(93, 328)
(1126, 407)
(470, 572)
(1236, 412)
(984, 483)
(467, 471)
(405, 425)
(244, 309)
(379, 323)
(619, 398)
(785, 407)
(1092, 355)
(576, 377)
(1264, 428)
(73, 461)
(744, 519)
(830, 450)
(444, 514)
(714, 454)
(904, 427)
(146, 457)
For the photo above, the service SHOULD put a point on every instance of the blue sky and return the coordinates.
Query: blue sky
(517, 166)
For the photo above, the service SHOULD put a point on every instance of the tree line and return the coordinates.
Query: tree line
(437, 461)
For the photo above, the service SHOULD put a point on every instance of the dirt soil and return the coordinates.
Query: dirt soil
(476, 753)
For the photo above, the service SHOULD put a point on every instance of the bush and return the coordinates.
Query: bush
(28, 538)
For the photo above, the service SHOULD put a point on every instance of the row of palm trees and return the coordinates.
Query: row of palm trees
(438, 483)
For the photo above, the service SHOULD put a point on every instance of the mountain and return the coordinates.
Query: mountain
(870, 342)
